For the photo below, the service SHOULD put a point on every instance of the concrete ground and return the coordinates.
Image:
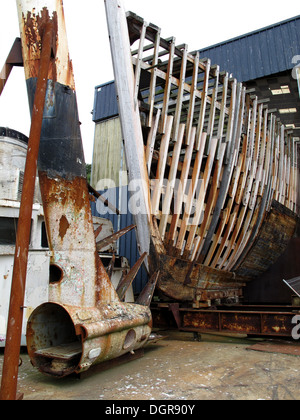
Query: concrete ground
(178, 368)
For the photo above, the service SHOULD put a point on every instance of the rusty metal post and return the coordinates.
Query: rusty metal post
(15, 318)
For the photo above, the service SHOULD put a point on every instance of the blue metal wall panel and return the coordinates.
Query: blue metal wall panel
(127, 244)
(105, 104)
(260, 53)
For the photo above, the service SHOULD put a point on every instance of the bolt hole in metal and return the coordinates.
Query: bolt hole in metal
(52, 343)
(56, 274)
(130, 340)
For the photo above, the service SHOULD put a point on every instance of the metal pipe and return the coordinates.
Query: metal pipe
(63, 339)
(15, 318)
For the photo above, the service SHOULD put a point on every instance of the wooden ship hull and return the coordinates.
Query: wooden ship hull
(219, 173)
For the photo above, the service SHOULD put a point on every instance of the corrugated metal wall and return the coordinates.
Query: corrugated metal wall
(127, 245)
(260, 53)
(105, 103)
(109, 177)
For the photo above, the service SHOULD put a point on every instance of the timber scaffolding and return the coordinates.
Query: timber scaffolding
(222, 171)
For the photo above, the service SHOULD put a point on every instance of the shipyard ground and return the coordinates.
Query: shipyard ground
(178, 368)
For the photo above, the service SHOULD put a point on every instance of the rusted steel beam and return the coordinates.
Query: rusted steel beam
(250, 320)
(14, 59)
(147, 293)
(113, 238)
(15, 317)
(127, 281)
(111, 266)
(103, 199)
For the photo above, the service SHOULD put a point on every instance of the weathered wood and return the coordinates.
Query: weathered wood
(129, 114)
(222, 143)
(182, 187)
(163, 154)
(151, 141)
(171, 182)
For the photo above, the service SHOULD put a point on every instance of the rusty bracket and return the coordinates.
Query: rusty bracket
(146, 295)
(14, 58)
(127, 281)
(113, 238)
(174, 308)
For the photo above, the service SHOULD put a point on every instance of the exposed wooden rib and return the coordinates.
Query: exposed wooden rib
(182, 187)
(180, 94)
(171, 182)
(203, 106)
(190, 117)
(232, 142)
(192, 191)
(200, 200)
(168, 87)
(139, 61)
(151, 98)
(161, 165)
(151, 141)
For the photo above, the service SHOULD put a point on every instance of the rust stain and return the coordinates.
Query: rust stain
(63, 226)
(33, 26)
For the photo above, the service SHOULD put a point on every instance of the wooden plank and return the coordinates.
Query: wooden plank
(267, 195)
(247, 212)
(171, 182)
(234, 127)
(168, 87)
(176, 83)
(212, 114)
(191, 110)
(217, 171)
(62, 352)
(204, 98)
(139, 61)
(203, 188)
(151, 141)
(130, 117)
(191, 194)
(151, 98)
(179, 99)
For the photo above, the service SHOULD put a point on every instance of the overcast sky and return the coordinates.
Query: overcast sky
(197, 23)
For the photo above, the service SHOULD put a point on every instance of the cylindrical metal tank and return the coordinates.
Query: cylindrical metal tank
(13, 151)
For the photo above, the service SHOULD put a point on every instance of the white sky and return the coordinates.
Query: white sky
(197, 23)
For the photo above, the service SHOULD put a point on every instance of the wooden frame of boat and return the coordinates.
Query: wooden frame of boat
(220, 174)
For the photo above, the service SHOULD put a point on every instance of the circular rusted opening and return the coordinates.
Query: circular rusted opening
(56, 274)
(130, 340)
(52, 343)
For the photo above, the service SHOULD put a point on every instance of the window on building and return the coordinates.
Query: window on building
(8, 230)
